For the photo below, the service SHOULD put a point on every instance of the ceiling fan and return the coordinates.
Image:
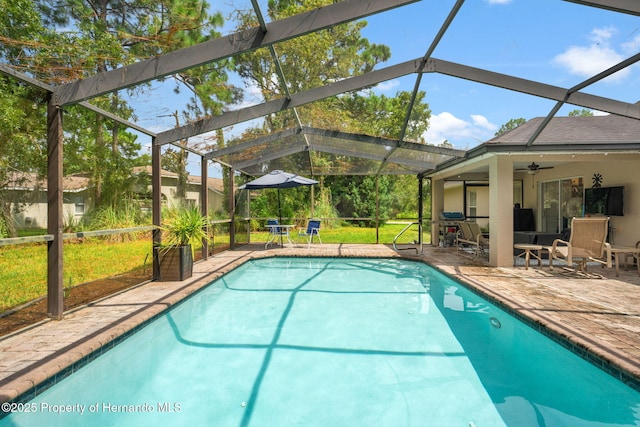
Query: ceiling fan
(533, 168)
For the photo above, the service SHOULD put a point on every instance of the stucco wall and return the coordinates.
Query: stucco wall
(34, 214)
(616, 170)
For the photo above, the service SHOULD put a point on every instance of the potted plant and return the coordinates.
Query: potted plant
(183, 229)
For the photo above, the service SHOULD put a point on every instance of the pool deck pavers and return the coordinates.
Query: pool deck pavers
(599, 319)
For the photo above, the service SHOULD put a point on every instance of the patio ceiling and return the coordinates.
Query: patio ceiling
(310, 149)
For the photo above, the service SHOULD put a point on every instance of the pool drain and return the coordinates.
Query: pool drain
(495, 322)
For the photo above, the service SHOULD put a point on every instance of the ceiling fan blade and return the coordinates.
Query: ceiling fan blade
(533, 167)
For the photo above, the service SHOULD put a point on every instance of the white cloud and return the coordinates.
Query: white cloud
(587, 61)
(602, 35)
(387, 86)
(483, 122)
(632, 47)
(460, 133)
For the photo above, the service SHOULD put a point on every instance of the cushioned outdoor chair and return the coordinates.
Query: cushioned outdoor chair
(313, 229)
(587, 243)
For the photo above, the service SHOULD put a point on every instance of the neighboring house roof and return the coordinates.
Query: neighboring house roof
(30, 182)
(214, 184)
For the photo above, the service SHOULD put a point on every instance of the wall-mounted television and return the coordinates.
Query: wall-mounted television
(604, 201)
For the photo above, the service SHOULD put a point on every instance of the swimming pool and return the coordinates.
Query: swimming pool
(327, 341)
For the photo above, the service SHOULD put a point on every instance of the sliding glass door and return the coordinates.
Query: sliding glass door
(558, 202)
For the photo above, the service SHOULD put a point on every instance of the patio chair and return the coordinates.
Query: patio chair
(274, 232)
(587, 243)
(470, 234)
(313, 229)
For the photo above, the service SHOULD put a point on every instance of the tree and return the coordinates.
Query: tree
(106, 34)
(580, 113)
(22, 116)
(321, 58)
(344, 52)
(383, 116)
(510, 125)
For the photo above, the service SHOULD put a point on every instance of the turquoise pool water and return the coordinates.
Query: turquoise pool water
(334, 342)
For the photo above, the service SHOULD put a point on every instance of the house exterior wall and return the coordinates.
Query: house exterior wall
(482, 205)
(616, 170)
(77, 203)
(453, 198)
(215, 199)
(34, 214)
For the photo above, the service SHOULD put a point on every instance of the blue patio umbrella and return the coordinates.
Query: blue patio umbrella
(278, 179)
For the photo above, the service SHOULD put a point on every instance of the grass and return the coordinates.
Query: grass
(360, 235)
(23, 268)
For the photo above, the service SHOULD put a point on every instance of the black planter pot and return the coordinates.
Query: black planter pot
(173, 264)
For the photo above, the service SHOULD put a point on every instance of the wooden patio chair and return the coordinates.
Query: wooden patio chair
(587, 243)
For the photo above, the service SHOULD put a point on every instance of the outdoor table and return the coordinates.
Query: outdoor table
(529, 249)
(617, 251)
(276, 230)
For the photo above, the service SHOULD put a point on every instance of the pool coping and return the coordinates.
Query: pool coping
(37, 375)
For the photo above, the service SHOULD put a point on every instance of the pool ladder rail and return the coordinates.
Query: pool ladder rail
(419, 249)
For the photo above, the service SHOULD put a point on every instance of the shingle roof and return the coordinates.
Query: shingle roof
(30, 181)
(215, 184)
(575, 130)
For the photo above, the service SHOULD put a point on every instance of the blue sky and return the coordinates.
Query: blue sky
(551, 41)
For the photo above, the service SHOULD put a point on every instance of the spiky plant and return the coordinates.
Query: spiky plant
(184, 226)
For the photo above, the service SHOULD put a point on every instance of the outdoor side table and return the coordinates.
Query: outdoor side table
(617, 252)
(276, 230)
(529, 250)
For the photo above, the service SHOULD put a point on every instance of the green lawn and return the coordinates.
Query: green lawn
(356, 235)
(23, 268)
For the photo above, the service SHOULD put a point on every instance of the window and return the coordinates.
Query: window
(476, 202)
(79, 206)
(473, 204)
